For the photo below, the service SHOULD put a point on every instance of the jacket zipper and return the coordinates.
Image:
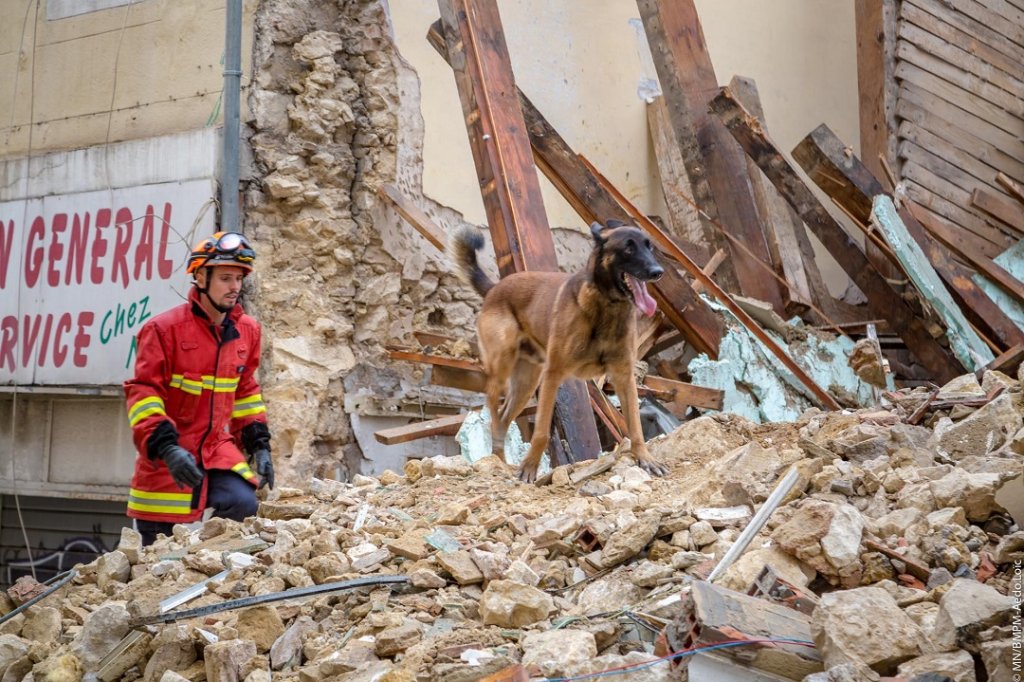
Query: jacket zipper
(209, 425)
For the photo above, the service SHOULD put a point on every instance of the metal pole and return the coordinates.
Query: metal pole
(229, 219)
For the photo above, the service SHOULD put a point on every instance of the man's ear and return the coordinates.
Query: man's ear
(200, 277)
(595, 230)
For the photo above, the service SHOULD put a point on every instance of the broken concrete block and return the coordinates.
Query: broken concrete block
(827, 538)
(173, 649)
(957, 665)
(513, 605)
(847, 672)
(519, 571)
(863, 442)
(326, 566)
(260, 624)
(997, 657)
(965, 610)
(102, 631)
(224, 660)
(702, 534)
(461, 567)
(63, 668)
(1010, 548)
(610, 593)
(748, 473)
(865, 625)
(976, 493)
(896, 522)
(12, 648)
(634, 660)
(491, 564)
(629, 541)
(554, 652)
(411, 545)
(650, 574)
(427, 579)
(112, 567)
(42, 624)
(742, 574)
(130, 544)
(286, 651)
(394, 641)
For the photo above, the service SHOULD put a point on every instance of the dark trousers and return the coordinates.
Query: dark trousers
(228, 494)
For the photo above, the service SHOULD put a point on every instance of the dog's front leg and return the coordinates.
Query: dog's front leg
(625, 388)
(542, 427)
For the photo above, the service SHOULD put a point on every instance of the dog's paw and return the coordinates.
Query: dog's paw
(527, 474)
(653, 467)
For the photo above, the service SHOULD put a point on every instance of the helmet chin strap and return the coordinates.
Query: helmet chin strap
(205, 291)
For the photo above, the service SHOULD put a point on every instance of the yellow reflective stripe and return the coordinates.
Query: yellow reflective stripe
(243, 469)
(249, 405)
(207, 381)
(160, 503)
(145, 408)
(159, 508)
(186, 385)
(145, 494)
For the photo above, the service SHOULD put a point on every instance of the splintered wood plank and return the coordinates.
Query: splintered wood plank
(431, 359)
(414, 215)
(976, 172)
(944, 51)
(560, 164)
(1011, 186)
(684, 220)
(958, 137)
(508, 178)
(720, 295)
(687, 78)
(978, 30)
(884, 300)
(954, 36)
(442, 426)
(456, 377)
(984, 265)
(843, 177)
(999, 207)
(957, 117)
(965, 99)
(955, 74)
(790, 246)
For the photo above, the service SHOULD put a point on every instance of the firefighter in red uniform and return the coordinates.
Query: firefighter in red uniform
(194, 400)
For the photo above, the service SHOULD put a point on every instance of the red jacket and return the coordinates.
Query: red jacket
(202, 379)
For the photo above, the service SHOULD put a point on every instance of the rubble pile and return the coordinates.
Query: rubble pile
(890, 556)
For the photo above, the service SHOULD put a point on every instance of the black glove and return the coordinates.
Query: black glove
(182, 466)
(264, 466)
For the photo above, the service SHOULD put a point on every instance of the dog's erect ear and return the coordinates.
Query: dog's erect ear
(612, 224)
(595, 229)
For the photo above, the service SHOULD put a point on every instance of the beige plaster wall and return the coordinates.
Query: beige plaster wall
(148, 68)
(579, 61)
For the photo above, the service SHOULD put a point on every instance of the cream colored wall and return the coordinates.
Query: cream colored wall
(148, 68)
(578, 60)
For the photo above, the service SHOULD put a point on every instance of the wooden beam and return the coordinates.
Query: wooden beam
(442, 426)
(985, 266)
(509, 184)
(414, 215)
(1011, 186)
(557, 160)
(876, 84)
(456, 377)
(431, 359)
(823, 156)
(715, 165)
(684, 220)
(788, 242)
(688, 394)
(885, 300)
(999, 208)
(666, 243)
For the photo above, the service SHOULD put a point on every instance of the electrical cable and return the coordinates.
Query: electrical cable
(620, 670)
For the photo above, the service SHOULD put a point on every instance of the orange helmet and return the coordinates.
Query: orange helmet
(223, 248)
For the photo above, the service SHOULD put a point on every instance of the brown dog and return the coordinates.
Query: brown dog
(541, 328)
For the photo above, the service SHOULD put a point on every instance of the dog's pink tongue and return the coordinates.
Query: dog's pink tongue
(642, 299)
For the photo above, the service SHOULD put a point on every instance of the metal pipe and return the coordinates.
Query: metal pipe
(229, 218)
(61, 580)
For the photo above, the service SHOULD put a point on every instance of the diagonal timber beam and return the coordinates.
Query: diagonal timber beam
(508, 179)
(884, 300)
(849, 182)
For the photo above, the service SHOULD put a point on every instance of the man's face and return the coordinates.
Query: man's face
(224, 283)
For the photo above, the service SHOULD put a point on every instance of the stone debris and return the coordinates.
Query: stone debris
(892, 555)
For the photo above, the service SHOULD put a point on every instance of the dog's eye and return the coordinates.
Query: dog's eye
(647, 243)
(630, 245)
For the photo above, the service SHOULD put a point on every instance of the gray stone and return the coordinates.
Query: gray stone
(863, 442)
(627, 542)
(519, 571)
(130, 544)
(635, 660)
(826, 537)
(171, 676)
(748, 473)
(427, 579)
(847, 672)
(650, 574)
(988, 429)
(102, 631)
(965, 610)
(997, 657)
(392, 641)
(957, 665)
(225, 660)
(865, 625)
(555, 652)
(610, 593)
(976, 493)
(702, 534)
(113, 567)
(741, 575)
(1010, 548)
(286, 651)
(513, 605)
(12, 648)
(896, 522)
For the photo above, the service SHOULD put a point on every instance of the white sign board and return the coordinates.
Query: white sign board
(80, 273)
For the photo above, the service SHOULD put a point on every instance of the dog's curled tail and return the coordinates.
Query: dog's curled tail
(462, 247)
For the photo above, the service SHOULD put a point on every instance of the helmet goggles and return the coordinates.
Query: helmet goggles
(223, 248)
